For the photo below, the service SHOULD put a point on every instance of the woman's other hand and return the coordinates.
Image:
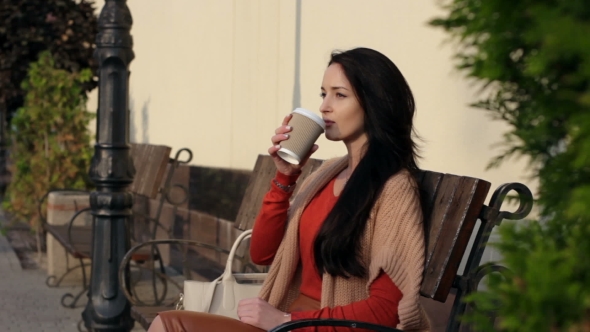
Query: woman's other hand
(281, 134)
(259, 313)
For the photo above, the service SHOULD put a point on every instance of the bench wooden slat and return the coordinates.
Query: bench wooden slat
(429, 182)
(442, 203)
(150, 163)
(259, 183)
(455, 207)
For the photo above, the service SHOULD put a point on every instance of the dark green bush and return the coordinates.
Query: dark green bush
(66, 28)
(534, 57)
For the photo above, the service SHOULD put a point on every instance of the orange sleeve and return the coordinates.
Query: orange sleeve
(270, 223)
(380, 308)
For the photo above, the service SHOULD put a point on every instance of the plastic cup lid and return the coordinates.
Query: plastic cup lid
(312, 116)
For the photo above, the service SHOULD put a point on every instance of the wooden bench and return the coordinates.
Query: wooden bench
(154, 169)
(452, 206)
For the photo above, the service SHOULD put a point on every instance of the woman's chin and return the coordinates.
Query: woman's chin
(332, 137)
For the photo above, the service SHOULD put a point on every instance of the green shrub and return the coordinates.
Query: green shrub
(534, 58)
(65, 28)
(50, 137)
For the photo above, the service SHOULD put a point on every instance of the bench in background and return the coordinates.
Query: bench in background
(154, 171)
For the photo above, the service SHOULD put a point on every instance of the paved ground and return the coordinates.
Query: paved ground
(26, 303)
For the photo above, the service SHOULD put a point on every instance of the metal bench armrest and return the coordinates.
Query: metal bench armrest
(296, 324)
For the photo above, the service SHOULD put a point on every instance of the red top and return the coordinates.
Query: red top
(384, 296)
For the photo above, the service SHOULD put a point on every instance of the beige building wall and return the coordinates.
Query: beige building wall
(217, 76)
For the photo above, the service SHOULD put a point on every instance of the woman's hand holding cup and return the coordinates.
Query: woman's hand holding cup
(282, 134)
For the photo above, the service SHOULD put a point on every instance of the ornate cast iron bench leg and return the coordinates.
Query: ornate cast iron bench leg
(75, 298)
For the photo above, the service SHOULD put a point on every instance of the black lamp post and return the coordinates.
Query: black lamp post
(112, 172)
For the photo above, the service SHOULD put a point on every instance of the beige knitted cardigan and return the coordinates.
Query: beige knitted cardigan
(393, 241)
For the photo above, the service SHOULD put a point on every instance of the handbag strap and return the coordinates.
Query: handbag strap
(228, 266)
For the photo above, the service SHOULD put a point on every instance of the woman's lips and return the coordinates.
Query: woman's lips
(328, 123)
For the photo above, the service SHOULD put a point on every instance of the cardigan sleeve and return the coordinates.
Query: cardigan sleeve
(398, 247)
(270, 223)
(379, 308)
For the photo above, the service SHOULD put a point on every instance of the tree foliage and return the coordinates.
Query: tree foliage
(534, 58)
(50, 137)
(66, 28)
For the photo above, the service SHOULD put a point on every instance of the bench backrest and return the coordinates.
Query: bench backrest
(259, 184)
(154, 169)
(452, 205)
(217, 191)
(150, 162)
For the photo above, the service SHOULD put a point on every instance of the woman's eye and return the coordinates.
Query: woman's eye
(323, 95)
(339, 95)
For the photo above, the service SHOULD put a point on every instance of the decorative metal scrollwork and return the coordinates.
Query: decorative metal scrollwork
(525, 197)
(490, 216)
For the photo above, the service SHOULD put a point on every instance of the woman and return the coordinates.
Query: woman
(350, 244)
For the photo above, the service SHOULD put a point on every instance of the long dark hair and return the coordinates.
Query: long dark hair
(388, 103)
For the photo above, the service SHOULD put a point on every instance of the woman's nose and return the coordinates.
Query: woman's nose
(325, 106)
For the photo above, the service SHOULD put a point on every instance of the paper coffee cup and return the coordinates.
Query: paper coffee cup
(307, 127)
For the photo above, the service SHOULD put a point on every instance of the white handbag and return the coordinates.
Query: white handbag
(221, 296)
